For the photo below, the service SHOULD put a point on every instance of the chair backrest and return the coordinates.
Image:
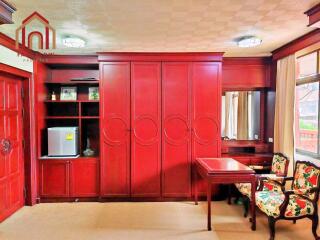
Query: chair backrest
(306, 176)
(280, 164)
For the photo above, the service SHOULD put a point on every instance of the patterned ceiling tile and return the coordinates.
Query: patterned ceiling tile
(169, 25)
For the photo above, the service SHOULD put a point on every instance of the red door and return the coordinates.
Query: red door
(176, 145)
(146, 128)
(11, 151)
(206, 100)
(115, 126)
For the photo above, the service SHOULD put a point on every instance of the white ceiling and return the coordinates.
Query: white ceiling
(169, 25)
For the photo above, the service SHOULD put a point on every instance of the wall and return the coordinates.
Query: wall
(11, 58)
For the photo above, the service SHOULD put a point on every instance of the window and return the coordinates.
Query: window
(307, 105)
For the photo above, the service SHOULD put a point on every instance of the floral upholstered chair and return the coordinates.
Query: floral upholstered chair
(299, 202)
(279, 167)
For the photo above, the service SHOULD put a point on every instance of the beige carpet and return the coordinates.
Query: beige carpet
(139, 221)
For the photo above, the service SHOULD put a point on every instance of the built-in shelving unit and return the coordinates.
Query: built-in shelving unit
(69, 177)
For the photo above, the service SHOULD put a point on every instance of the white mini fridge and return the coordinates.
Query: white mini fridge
(63, 141)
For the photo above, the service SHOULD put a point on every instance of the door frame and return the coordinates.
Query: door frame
(29, 130)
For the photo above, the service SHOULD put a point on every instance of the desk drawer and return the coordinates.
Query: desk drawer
(264, 161)
(243, 160)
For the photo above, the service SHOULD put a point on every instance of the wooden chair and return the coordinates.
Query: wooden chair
(279, 167)
(299, 202)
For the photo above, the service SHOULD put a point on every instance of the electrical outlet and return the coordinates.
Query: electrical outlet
(270, 140)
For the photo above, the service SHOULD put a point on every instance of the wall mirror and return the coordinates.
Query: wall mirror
(240, 118)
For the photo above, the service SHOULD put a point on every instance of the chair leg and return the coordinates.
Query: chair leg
(246, 204)
(294, 221)
(315, 221)
(229, 194)
(272, 223)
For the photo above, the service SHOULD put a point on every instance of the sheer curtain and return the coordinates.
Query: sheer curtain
(231, 108)
(284, 109)
(243, 122)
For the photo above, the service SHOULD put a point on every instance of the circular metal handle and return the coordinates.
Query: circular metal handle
(5, 146)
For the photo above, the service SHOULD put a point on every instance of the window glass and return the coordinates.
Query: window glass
(307, 117)
(307, 65)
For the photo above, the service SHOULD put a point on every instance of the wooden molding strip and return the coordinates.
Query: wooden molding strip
(6, 11)
(297, 44)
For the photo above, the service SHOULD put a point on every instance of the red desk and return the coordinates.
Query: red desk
(224, 171)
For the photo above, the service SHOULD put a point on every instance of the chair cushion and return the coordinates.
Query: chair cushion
(270, 202)
(271, 186)
(278, 164)
(244, 189)
(306, 177)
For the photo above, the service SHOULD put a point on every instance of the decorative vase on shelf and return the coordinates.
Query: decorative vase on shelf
(88, 152)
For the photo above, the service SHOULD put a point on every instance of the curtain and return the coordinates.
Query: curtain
(229, 129)
(243, 121)
(284, 109)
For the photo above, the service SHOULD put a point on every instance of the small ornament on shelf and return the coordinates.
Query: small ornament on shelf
(93, 93)
(53, 96)
(88, 152)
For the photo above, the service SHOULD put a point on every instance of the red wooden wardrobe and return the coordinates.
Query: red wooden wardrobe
(158, 113)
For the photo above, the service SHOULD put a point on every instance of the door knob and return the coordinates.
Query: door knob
(5, 146)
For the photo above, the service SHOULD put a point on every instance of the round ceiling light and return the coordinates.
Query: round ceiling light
(73, 42)
(249, 41)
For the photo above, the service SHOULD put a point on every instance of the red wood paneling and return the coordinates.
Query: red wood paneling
(115, 126)
(158, 57)
(54, 178)
(84, 177)
(146, 129)
(245, 73)
(176, 134)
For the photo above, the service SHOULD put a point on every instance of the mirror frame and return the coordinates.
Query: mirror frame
(262, 113)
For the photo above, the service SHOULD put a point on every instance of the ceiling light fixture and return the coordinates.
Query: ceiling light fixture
(73, 42)
(248, 41)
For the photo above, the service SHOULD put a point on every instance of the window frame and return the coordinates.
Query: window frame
(315, 78)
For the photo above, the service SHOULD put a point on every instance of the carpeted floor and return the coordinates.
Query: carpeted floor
(139, 221)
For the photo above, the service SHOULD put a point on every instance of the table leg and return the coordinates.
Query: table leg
(253, 204)
(195, 187)
(209, 204)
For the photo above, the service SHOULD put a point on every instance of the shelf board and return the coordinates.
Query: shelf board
(72, 117)
(71, 101)
(73, 83)
(90, 117)
(62, 117)
(45, 158)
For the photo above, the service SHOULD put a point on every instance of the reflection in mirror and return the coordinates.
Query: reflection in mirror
(240, 115)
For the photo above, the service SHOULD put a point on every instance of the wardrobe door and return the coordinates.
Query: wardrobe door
(115, 126)
(206, 101)
(146, 128)
(176, 144)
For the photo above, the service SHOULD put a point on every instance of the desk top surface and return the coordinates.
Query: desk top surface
(223, 166)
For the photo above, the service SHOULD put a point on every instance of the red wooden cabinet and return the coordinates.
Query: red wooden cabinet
(146, 129)
(84, 178)
(69, 178)
(115, 129)
(54, 178)
(176, 132)
(206, 102)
